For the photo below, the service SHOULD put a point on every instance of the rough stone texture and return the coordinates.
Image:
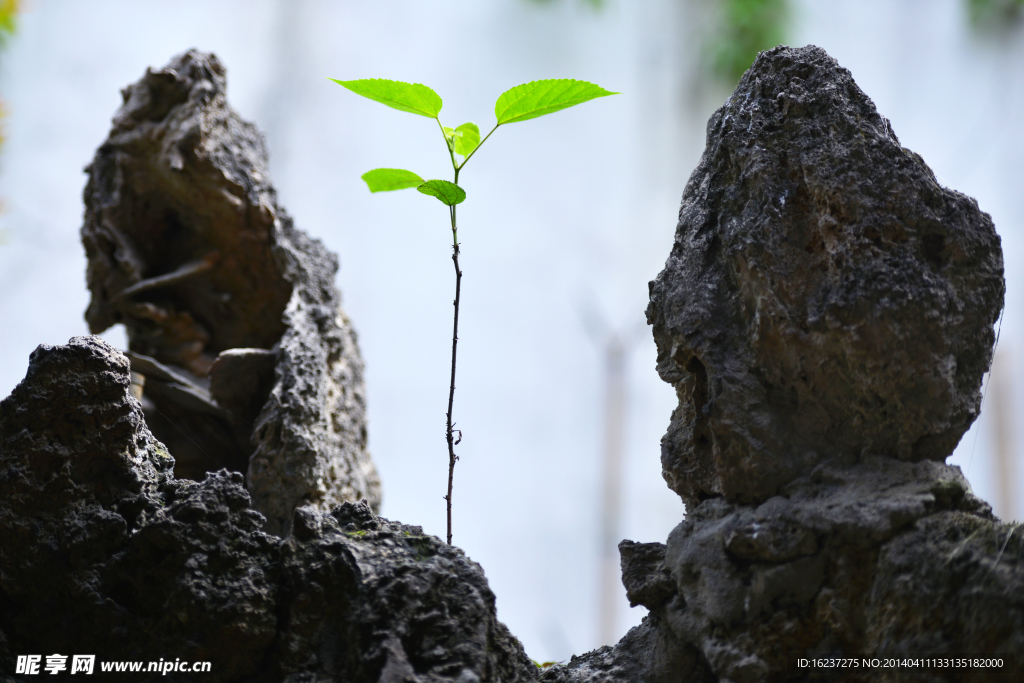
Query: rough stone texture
(104, 551)
(644, 574)
(812, 572)
(232, 314)
(872, 558)
(824, 295)
(649, 653)
(826, 316)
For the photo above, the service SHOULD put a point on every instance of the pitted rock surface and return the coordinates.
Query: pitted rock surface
(878, 558)
(104, 551)
(805, 571)
(826, 316)
(232, 315)
(824, 296)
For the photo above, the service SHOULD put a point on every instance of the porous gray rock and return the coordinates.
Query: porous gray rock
(644, 574)
(648, 653)
(816, 571)
(824, 295)
(244, 355)
(104, 551)
(826, 317)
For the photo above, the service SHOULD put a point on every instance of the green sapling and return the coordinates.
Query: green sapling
(527, 101)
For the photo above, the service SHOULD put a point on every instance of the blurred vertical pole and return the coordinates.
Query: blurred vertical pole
(287, 78)
(615, 413)
(1001, 397)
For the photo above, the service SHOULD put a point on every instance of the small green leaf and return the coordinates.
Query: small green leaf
(387, 179)
(468, 140)
(537, 98)
(411, 97)
(449, 135)
(449, 193)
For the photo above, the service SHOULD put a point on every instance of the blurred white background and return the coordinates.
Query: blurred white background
(568, 217)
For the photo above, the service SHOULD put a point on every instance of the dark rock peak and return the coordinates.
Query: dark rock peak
(246, 360)
(824, 296)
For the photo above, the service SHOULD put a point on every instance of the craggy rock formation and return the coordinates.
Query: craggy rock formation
(104, 551)
(243, 355)
(826, 316)
(824, 296)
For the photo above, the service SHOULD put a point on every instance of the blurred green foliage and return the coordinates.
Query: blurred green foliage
(995, 13)
(747, 27)
(8, 10)
(743, 28)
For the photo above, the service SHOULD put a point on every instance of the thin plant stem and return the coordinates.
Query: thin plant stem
(449, 432)
(450, 426)
(464, 161)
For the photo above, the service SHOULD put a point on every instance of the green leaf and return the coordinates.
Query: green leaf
(387, 179)
(537, 98)
(411, 97)
(449, 193)
(469, 139)
(449, 135)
